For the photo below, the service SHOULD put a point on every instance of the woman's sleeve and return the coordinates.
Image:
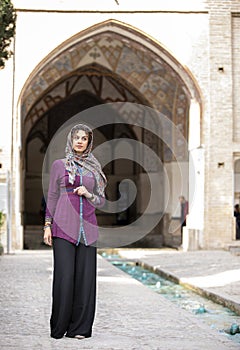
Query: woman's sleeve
(98, 201)
(53, 191)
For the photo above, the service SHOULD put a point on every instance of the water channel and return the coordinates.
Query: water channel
(218, 317)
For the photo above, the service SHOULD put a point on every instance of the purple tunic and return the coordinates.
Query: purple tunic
(63, 206)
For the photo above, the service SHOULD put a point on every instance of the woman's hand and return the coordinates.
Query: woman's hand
(47, 236)
(82, 191)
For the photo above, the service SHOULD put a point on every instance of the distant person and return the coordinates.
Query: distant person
(43, 210)
(237, 216)
(184, 212)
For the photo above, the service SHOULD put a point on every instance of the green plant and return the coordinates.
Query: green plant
(7, 29)
(2, 218)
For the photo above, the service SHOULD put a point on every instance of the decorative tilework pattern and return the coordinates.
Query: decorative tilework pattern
(122, 60)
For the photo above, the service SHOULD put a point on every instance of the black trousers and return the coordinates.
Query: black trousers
(74, 289)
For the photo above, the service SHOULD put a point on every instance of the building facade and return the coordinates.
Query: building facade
(180, 59)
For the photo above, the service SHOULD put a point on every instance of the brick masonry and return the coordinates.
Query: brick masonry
(205, 40)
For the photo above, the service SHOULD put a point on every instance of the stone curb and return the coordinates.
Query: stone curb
(215, 297)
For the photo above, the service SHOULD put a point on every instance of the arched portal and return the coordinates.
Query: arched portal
(109, 62)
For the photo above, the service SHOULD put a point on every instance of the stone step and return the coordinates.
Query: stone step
(234, 248)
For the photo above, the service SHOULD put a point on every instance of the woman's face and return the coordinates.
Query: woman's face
(80, 141)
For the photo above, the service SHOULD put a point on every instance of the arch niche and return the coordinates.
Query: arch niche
(109, 62)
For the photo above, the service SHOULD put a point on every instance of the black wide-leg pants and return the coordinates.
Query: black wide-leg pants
(74, 289)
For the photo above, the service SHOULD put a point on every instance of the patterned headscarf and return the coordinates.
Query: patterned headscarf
(87, 159)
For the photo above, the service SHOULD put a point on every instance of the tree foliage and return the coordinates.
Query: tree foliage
(7, 29)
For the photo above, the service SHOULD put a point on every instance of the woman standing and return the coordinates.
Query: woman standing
(76, 188)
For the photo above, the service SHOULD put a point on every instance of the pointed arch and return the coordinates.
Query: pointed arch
(132, 55)
(108, 57)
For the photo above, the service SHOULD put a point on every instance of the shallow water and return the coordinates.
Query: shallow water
(215, 315)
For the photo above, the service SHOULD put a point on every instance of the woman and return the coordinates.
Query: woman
(76, 187)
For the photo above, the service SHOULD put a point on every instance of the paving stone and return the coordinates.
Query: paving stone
(129, 315)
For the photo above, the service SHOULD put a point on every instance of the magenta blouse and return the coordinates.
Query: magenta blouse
(73, 217)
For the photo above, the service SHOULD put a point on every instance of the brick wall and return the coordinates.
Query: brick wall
(214, 61)
(219, 184)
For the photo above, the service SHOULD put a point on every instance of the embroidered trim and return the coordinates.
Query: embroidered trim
(81, 229)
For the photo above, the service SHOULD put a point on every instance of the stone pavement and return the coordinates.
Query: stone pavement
(129, 315)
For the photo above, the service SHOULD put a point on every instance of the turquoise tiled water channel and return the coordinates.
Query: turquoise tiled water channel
(216, 316)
